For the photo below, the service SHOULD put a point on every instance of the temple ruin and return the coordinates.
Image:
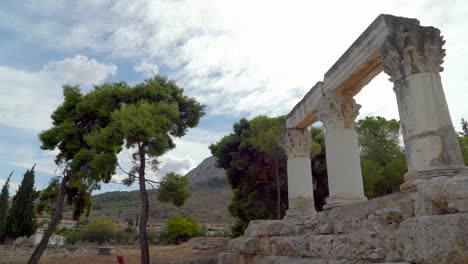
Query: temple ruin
(427, 222)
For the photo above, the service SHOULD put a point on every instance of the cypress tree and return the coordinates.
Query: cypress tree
(4, 195)
(21, 220)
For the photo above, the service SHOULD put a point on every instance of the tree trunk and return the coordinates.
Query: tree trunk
(145, 259)
(34, 259)
(278, 190)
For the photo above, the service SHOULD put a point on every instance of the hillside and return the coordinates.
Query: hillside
(208, 203)
(207, 174)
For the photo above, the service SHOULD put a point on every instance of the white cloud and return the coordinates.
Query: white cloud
(79, 70)
(239, 57)
(29, 97)
(147, 69)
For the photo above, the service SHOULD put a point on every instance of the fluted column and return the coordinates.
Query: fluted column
(338, 112)
(413, 59)
(297, 144)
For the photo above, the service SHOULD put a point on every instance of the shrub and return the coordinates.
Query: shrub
(122, 236)
(179, 229)
(152, 236)
(72, 237)
(99, 230)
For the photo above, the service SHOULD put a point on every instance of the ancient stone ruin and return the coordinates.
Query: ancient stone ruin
(427, 222)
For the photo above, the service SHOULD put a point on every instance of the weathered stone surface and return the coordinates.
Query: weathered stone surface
(381, 230)
(264, 228)
(442, 195)
(325, 229)
(435, 239)
(228, 258)
(283, 260)
(245, 245)
(205, 245)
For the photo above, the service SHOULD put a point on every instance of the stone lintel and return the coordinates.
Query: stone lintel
(353, 70)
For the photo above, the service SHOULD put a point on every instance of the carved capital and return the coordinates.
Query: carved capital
(338, 111)
(415, 51)
(296, 142)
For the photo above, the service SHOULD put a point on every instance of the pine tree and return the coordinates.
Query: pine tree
(21, 220)
(4, 195)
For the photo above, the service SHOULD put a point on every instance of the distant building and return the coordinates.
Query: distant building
(55, 240)
(68, 224)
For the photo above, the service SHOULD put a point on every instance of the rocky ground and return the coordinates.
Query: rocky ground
(197, 250)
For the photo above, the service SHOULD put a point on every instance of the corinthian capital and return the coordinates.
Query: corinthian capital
(338, 111)
(415, 51)
(296, 142)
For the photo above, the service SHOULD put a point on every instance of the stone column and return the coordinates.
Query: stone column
(338, 112)
(297, 144)
(413, 58)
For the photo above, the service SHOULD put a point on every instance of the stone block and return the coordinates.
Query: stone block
(228, 258)
(442, 195)
(264, 228)
(245, 245)
(435, 239)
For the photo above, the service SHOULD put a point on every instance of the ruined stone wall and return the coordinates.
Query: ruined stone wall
(429, 225)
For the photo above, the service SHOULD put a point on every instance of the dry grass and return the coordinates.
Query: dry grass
(131, 255)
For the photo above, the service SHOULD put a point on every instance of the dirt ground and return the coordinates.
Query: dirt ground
(87, 254)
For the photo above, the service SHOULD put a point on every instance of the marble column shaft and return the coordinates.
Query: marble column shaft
(413, 60)
(338, 112)
(297, 144)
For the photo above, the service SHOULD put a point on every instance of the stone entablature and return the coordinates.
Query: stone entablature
(412, 55)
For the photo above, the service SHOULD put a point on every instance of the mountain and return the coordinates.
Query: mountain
(208, 203)
(207, 174)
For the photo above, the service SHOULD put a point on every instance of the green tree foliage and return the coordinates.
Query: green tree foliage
(463, 139)
(382, 159)
(99, 230)
(4, 205)
(255, 167)
(21, 219)
(83, 167)
(146, 119)
(464, 125)
(173, 188)
(178, 229)
(319, 166)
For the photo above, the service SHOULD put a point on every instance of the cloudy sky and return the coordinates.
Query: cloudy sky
(241, 58)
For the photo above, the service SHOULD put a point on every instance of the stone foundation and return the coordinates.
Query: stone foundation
(428, 225)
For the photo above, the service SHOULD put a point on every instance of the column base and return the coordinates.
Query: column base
(342, 200)
(300, 207)
(412, 178)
